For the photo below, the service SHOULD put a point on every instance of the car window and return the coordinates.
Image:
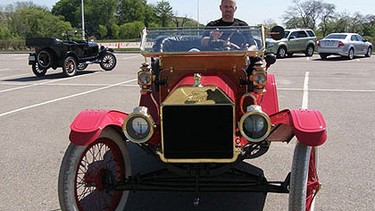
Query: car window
(286, 34)
(359, 38)
(354, 38)
(336, 36)
(311, 33)
(294, 34)
(301, 34)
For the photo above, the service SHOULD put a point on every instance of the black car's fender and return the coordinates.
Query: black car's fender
(103, 52)
(68, 53)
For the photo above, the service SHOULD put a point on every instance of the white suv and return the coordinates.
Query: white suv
(294, 41)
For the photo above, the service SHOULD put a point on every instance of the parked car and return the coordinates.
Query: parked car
(294, 41)
(204, 114)
(344, 44)
(69, 54)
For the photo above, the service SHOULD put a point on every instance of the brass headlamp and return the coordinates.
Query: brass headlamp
(145, 78)
(259, 76)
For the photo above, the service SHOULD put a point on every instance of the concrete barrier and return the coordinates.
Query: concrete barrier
(118, 45)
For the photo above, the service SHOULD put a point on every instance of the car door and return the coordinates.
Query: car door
(298, 44)
(356, 44)
(362, 48)
(293, 42)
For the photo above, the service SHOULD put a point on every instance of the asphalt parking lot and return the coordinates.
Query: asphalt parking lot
(35, 114)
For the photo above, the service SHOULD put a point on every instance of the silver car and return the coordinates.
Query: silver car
(344, 44)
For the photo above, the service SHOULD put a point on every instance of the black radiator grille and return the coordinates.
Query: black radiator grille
(198, 131)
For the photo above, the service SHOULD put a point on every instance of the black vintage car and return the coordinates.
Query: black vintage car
(71, 55)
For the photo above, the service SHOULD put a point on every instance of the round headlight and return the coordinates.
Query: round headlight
(255, 126)
(260, 79)
(144, 78)
(138, 127)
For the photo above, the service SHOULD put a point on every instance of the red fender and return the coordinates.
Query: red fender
(270, 103)
(88, 124)
(307, 125)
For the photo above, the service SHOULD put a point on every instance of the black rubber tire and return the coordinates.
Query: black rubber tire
(79, 183)
(310, 50)
(304, 181)
(109, 62)
(351, 54)
(44, 58)
(82, 66)
(369, 52)
(281, 52)
(38, 71)
(70, 66)
(323, 56)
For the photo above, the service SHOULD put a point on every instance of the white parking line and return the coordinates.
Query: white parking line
(65, 98)
(38, 84)
(4, 69)
(327, 90)
(305, 98)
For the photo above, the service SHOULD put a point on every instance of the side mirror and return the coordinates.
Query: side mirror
(270, 59)
(277, 33)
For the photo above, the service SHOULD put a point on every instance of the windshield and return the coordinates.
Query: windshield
(157, 41)
(336, 36)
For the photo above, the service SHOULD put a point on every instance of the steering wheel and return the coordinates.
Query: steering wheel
(228, 44)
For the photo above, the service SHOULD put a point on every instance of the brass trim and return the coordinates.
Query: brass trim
(200, 95)
(236, 153)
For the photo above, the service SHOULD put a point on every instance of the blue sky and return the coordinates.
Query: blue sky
(253, 12)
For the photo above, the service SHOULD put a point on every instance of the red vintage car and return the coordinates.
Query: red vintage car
(207, 105)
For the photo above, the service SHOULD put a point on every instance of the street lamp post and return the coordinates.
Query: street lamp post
(83, 21)
(198, 13)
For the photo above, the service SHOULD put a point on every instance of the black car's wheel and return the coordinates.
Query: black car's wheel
(44, 59)
(82, 66)
(37, 70)
(281, 52)
(351, 54)
(88, 172)
(323, 56)
(309, 50)
(109, 62)
(369, 52)
(70, 66)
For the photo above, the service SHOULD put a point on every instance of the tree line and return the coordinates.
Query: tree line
(124, 19)
(324, 19)
(104, 19)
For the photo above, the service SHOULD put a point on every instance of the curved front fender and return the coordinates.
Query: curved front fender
(88, 124)
(308, 125)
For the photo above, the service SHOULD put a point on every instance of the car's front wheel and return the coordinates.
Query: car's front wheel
(281, 52)
(369, 52)
(70, 66)
(309, 50)
(109, 62)
(88, 173)
(304, 181)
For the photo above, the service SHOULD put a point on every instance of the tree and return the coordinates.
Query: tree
(164, 13)
(37, 22)
(100, 12)
(327, 16)
(131, 10)
(70, 10)
(306, 13)
(131, 30)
